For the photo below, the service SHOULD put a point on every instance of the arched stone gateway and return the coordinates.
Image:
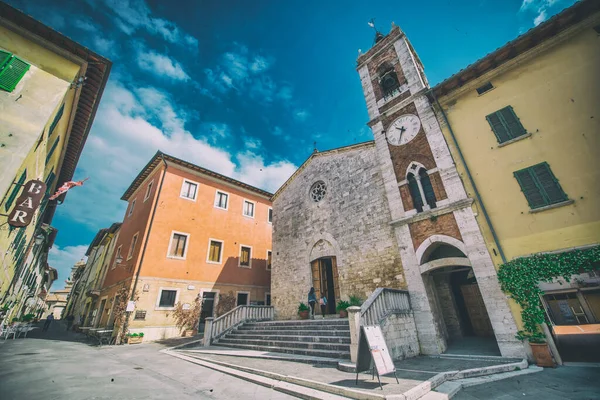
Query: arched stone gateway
(324, 271)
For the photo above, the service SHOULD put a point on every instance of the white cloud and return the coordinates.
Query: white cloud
(135, 14)
(63, 259)
(253, 171)
(161, 65)
(252, 143)
(105, 47)
(541, 8)
(259, 64)
(301, 115)
(285, 93)
(540, 18)
(277, 131)
(85, 24)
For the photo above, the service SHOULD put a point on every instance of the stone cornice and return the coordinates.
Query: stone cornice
(457, 205)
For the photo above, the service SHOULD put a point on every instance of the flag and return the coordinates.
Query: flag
(66, 186)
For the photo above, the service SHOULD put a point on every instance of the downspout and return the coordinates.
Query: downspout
(476, 192)
(137, 275)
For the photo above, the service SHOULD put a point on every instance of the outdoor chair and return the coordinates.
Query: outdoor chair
(25, 329)
(9, 330)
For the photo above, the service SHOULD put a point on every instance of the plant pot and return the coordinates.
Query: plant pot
(343, 314)
(134, 339)
(542, 355)
(188, 333)
(303, 314)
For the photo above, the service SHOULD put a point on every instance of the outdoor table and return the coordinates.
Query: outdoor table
(104, 335)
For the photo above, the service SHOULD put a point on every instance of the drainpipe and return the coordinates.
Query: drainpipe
(476, 192)
(137, 275)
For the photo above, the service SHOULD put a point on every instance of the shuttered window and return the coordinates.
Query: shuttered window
(505, 124)
(413, 187)
(15, 190)
(56, 119)
(540, 186)
(52, 149)
(427, 188)
(12, 69)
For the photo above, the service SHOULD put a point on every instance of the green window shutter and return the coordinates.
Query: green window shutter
(15, 191)
(551, 189)
(427, 188)
(52, 149)
(50, 181)
(498, 127)
(12, 73)
(56, 119)
(413, 188)
(4, 57)
(512, 122)
(530, 188)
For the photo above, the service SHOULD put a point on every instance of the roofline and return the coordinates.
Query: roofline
(154, 161)
(315, 154)
(530, 39)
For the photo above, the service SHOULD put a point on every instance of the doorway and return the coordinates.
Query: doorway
(325, 281)
(100, 313)
(208, 306)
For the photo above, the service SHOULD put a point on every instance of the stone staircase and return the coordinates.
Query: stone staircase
(317, 338)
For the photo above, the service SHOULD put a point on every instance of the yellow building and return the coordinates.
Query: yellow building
(523, 126)
(50, 88)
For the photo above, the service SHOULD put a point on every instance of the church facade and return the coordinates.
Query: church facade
(391, 213)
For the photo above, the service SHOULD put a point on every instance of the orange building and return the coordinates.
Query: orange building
(188, 231)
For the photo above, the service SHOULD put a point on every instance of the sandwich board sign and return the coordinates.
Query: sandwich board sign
(373, 353)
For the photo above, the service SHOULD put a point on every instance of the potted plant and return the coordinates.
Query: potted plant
(187, 318)
(355, 301)
(303, 311)
(28, 317)
(342, 308)
(539, 348)
(135, 338)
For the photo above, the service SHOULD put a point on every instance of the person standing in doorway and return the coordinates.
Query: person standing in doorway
(312, 300)
(49, 320)
(323, 303)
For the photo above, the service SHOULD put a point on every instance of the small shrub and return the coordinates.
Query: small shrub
(342, 305)
(227, 302)
(355, 301)
(141, 334)
(134, 335)
(28, 317)
(302, 307)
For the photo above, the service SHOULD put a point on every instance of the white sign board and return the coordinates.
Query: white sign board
(379, 350)
(130, 306)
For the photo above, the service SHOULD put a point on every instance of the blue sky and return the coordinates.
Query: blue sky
(244, 87)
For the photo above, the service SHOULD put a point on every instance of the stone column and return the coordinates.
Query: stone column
(208, 324)
(354, 321)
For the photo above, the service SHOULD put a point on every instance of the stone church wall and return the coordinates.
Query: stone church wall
(350, 223)
(400, 334)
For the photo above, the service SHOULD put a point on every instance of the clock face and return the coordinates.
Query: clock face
(404, 129)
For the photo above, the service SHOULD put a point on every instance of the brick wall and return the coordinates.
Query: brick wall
(443, 225)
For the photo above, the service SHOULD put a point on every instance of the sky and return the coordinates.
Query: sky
(244, 88)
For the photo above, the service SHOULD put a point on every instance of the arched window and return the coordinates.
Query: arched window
(427, 188)
(388, 79)
(415, 193)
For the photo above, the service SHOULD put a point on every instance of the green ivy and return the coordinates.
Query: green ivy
(520, 277)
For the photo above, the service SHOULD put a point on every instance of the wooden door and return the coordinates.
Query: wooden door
(476, 310)
(336, 278)
(316, 275)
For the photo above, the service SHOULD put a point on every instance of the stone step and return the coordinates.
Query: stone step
(307, 322)
(315, 328)
(292, 338)
(226, 341)
(293, 332)
(288, 350)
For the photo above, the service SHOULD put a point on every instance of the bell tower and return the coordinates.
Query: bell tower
(432, 217)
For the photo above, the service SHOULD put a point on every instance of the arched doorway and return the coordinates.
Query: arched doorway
(457, 300)
(326, 281)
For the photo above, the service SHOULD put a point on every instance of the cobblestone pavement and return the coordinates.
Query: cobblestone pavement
(63, 365)
(572, 383)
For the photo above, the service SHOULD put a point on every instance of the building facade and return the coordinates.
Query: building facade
(522, 124)
(50, 88)
(401, 201)
(189, 232)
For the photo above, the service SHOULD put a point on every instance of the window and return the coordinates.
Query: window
(245, 256)
(419, 186)
(484, 88)
(267, 299)
(540, 186)
(178, 245)
(221, 200)
(148, 191)
(270, 217)
(12, 70)
(131, 208)
(167, 298)
(189, 190)
(388, 80)
(415, 193)
(215, 249)
(52, 149)
(505, 124)
(242, 298)
(56, 119)
(318, 191)
(140, 315)
(427, 188)
(248, 208)
(15, 190)
(132, 247)
(118, 256)
(269, 254)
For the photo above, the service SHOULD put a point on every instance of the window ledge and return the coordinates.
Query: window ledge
(164, 308)
(245, 266)
(175, 258)
(525, 136)
(213, 262)
(551, 206)
(221, 208)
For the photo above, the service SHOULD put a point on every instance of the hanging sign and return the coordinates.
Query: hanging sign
(29, 200)
(372, 349)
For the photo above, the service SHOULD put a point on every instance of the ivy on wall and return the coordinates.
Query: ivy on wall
(520, 277)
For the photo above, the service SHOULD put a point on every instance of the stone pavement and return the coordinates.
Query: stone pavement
(563, 383)
(63, 365)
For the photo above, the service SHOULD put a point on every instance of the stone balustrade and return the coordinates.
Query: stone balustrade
(214, 328)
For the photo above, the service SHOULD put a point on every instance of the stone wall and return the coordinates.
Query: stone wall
(350, 223)
(400, 335)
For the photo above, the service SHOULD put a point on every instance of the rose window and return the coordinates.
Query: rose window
(318, 191)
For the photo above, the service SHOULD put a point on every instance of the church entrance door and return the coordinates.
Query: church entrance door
(325, 280)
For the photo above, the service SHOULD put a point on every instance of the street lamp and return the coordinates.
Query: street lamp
(39, 239)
